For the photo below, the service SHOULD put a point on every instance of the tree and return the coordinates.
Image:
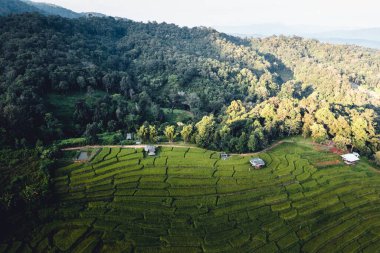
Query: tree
(153, 135)
(91, 132)
(377, 157)
(205, 131)
(186, 132)
(143, 132)
(170, 133)
(308, 121)
(318, 133)
(341, 141)
(125, 85)
(359, 133)
(236, 111)
(241, 146)
(252, 143)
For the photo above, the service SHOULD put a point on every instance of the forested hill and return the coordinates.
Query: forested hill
(330, 68)
(64, 77)
(149, 65)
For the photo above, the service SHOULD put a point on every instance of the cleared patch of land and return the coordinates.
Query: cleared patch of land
(188, 200)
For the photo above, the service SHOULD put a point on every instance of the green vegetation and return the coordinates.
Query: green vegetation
(66, 78)
(63, 105)
(24, 185)
(93, 80)
(176, 115)
(188, 200)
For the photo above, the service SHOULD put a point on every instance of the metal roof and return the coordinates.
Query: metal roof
(257, 161)
(350, 157)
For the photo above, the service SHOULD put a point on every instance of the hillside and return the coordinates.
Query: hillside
(189, 200)
(72, 77)
(153, 65)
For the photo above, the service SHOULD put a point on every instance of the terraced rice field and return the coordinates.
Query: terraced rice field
(188, 200)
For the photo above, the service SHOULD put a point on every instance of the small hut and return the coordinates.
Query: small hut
(129, 136)
(151, 150)
(257, 163)
(350, 159)
(224, 156)
(82, 157)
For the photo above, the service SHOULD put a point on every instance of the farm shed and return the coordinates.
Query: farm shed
(257, 162)
(350, 158)
(129, 136)
(224, 156)
(82, 157)
(151, 150)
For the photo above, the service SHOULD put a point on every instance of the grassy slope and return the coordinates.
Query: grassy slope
(177, 115)
(187, 200)
(63, 105)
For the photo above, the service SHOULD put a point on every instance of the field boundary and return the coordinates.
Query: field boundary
(171, 145)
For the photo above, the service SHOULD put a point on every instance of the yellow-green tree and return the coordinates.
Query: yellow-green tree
(318, 133)
(143, 133)
(170, 133)
(377, 157)
(153, 136)
(186, 132)
(205, 131)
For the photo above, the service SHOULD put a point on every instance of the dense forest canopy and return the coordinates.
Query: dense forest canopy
(242, 93)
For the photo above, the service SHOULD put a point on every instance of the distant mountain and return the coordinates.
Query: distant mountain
(369, 34)
(8, 7)
(348, 41)
(270, 29)
(52, 9)
(362, 37)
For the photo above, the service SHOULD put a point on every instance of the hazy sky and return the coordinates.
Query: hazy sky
(328, 13)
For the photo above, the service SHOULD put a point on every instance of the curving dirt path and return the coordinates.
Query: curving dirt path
(265, 149)
(170, 145)
(126, 146)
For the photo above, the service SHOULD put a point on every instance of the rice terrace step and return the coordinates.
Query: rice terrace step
(191, 200)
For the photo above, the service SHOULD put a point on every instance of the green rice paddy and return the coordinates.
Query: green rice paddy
(188, 200)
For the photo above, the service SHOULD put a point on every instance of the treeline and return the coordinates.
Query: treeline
(246, 128)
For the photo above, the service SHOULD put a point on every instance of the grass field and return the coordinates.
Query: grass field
(188, 200)
(177, 115)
